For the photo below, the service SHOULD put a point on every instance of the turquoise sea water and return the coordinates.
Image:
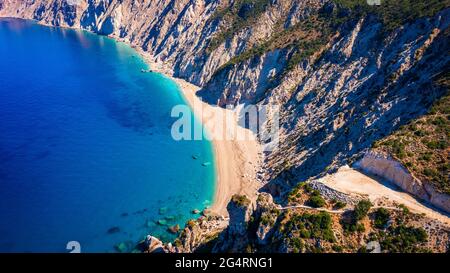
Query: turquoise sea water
(86, 152)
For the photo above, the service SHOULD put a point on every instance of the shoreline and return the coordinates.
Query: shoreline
(236, 161)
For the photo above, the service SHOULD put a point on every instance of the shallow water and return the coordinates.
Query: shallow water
(85, 144)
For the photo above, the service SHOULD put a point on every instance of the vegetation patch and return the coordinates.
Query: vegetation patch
(395, 13)
(382, 217)
(422, 146)
(240, 200)
(316, 201)
(309, 226)
(403, 239)
(310, 36)
(352, 222)
(241, 14)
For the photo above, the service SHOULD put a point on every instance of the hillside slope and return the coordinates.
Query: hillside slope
(344, 73)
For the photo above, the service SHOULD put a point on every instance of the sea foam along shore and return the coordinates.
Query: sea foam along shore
(237, 161)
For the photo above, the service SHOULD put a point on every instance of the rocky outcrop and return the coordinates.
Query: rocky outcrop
(332, 194)
(199, 235)
(360, 90)
(152, 245)
(385, 167)
(234, 238)
(266, 217)
(357, 88)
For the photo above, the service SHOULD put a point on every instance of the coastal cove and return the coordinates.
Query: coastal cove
(85, 145)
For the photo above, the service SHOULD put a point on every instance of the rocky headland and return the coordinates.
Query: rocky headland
(346, 76)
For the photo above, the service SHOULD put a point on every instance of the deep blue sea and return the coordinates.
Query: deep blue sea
(86, 152)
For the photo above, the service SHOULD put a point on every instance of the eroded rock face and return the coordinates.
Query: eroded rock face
(333, 105)
(266, 214)
(384, 166)
(360, 90)
(332, 194)
(153, 245)
(234, 238)
(197, 234)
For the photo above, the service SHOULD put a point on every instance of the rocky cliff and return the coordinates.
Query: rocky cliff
(344, 73)
(343, 77)
(384, 166)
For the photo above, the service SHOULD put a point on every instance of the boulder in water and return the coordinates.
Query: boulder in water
(162, 210)
(121, 247)
(113, 230)
(174, 229)
(206, 212)
(149, 223)
(162, 222)
(170, 218)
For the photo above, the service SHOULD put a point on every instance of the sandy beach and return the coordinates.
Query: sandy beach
(352, 181)
(237, 161)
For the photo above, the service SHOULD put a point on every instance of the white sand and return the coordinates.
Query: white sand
(351, 181)
(237, 161)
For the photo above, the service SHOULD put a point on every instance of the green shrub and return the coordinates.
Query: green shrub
(307, 188)
(360, 228)
(337, 248)
(340, 205)
(405, 209)
(316, 201)
(305, 234)
(403, 239)
(240, 200)
(297, 243)
(317, 226)
(382, 216)
(241, 14)
(361, 209)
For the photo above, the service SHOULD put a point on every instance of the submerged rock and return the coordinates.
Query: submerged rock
(206, 212)
(113, 230)
(121, 247)
(162, 222)
(174, 229)
(163, 210)
(149, 223)
(170, 218)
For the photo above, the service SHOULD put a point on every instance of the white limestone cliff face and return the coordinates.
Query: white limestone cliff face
(384, 166)
(359, 88)
(175, 32)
